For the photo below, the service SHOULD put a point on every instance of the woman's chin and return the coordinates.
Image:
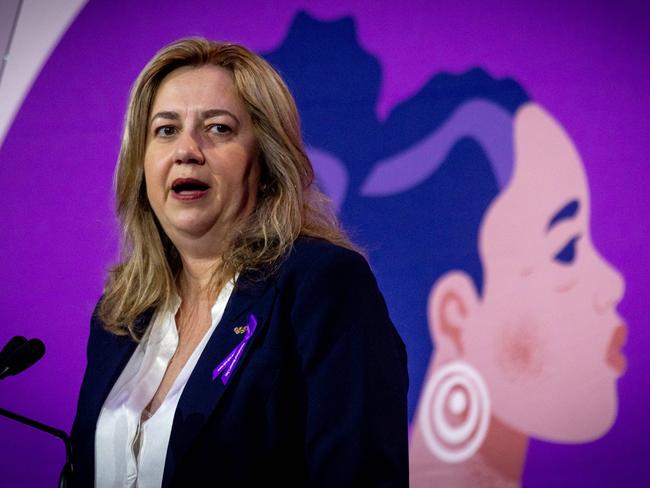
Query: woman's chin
(190, 225)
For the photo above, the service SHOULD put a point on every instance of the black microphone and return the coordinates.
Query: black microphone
(18, 355)
(23, 357)
(9, 348)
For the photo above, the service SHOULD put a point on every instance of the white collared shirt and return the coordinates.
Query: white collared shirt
(130, 446)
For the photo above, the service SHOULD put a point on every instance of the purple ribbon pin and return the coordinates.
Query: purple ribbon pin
(227, 365)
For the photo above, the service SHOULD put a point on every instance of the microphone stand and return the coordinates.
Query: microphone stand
(66, 473)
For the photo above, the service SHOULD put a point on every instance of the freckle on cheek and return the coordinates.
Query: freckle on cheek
(520, 356)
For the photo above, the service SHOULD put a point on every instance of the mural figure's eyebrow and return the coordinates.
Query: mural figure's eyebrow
(165, 115)
(567, 212)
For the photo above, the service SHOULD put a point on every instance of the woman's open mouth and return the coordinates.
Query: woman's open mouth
(189, 189)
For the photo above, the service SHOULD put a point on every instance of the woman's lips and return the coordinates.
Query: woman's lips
(189, 189)
(615, 357)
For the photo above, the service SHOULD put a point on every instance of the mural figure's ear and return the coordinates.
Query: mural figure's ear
(453, 300)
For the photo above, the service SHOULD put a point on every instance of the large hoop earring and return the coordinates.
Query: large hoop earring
(456, 412)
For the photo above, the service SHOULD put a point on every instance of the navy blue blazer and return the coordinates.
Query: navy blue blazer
(317, 399)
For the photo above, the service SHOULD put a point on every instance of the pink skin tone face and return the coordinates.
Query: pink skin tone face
(545, 336)
(201, 160)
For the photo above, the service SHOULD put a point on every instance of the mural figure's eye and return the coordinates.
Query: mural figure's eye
(568, 253)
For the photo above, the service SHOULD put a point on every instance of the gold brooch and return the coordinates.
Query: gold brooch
(240, 330)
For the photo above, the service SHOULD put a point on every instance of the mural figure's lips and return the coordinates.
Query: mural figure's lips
(615, 357)
(189, 188)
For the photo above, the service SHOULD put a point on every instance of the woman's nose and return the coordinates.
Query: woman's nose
(610, 286)
(188, 149)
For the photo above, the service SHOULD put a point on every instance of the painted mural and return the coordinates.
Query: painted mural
(509, 272)
(474, 205)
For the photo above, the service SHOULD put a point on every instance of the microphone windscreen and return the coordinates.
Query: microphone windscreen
(14, 343)
(24, 356)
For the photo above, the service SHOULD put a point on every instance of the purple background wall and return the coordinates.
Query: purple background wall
(587, 62)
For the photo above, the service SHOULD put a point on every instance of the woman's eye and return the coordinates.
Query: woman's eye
(165, 131)
(219, 129)
(568, 253)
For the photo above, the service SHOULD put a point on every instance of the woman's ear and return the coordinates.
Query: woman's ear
(452, 302)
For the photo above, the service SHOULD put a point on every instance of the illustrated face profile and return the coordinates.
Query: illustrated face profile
(473, 205)
(537, 352)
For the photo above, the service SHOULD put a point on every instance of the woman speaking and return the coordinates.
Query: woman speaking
(241, 340)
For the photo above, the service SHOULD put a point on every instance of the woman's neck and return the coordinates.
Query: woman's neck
(195, 287)
(197, 276)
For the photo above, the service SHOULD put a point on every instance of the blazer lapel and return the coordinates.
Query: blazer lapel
(111, 355)
(202, 394)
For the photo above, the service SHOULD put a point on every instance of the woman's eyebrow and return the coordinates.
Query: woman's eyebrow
(568, 211)
(165, 115)
(214, 112)
(206, 114)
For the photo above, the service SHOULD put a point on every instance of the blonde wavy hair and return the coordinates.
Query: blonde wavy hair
(288, 205)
